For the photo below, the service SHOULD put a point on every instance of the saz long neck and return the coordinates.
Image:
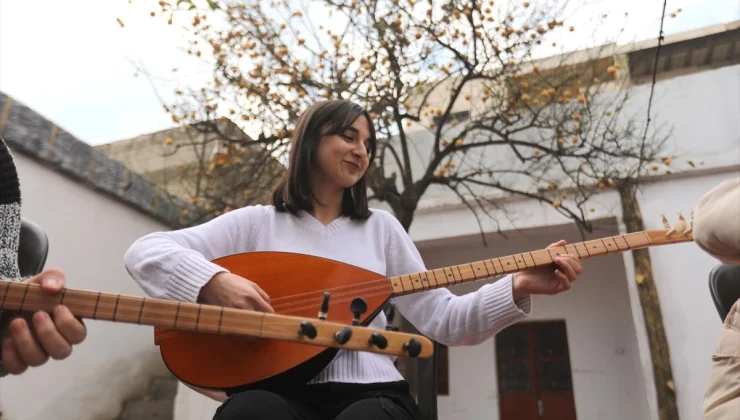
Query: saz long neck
(468, 272)
(174, 315)
(132, 310)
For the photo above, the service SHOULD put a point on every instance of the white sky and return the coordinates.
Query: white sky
(71, 61)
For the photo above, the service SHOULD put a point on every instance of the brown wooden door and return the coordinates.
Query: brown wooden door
(534, 378)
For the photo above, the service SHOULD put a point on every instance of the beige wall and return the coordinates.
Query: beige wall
(88, 234)
(605, 364)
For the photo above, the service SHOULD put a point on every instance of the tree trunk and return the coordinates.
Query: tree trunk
(420, 373)
(407, 366)
(659, 351)
(406, 217)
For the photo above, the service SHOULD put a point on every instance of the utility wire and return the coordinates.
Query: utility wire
(655, 71)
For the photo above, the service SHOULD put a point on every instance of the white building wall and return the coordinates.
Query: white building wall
(88, 234)
(698, 110)
(701, 110)
(681, 275)
(606, 372)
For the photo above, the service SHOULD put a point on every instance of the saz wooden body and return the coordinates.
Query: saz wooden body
(295, 284)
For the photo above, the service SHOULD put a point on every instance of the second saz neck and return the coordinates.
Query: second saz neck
(468, 272)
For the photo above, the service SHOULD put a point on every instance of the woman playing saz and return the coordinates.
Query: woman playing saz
(320, 208)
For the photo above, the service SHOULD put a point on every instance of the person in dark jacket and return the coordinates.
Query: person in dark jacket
(28, 339)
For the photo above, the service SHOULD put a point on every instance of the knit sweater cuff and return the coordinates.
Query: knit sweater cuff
(189, 277)
(502, 292)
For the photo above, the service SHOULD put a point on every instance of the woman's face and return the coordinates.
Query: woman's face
(342, 158)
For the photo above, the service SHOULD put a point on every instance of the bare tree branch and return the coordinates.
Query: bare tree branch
(453, 81)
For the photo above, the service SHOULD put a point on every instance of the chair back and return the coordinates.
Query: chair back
(724, 287)
(33, 248)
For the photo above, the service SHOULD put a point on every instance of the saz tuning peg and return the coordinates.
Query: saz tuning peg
(343, 335)
(681, 226)
(378, 340)
(324, 306)
(412, 347)
(389, 322)
(358, 307)
(307, 329)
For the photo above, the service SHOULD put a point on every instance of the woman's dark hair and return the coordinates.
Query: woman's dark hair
(293, 193)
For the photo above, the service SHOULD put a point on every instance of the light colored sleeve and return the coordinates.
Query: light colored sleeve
(440, 314)
(177, 264)
(717, 222)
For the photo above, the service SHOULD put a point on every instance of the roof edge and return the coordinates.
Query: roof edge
(29, 133)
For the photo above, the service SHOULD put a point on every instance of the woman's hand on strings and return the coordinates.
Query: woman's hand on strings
(30, 339)
(232, 291)
(548, 280)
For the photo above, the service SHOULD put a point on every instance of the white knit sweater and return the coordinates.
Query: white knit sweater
(175, 265)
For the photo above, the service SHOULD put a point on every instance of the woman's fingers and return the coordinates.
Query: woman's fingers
(570, 265)
(564, 281)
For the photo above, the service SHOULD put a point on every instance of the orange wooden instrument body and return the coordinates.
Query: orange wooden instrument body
(296, 285)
